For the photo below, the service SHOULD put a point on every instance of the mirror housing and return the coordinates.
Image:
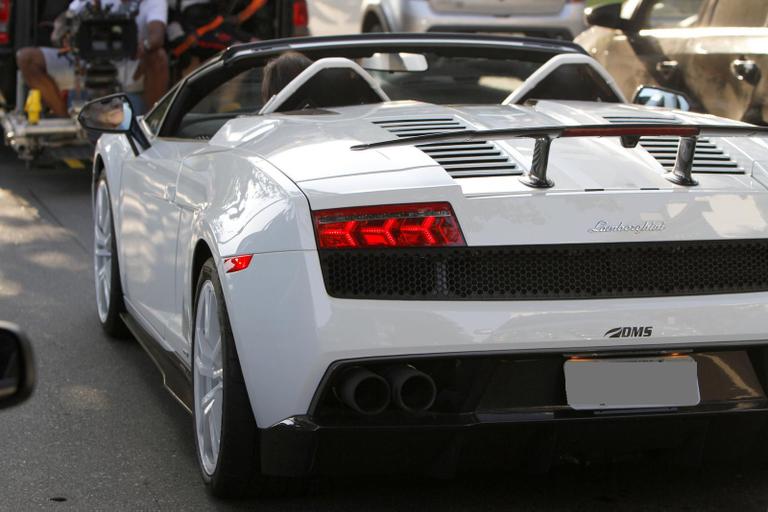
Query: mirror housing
(110, 114)
(113, 114)
(605, 15)
(392, 62)
(656, 96)
(17, 367)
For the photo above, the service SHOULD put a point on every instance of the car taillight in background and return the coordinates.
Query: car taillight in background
(5, 21)
(404, 225)
(300, 18)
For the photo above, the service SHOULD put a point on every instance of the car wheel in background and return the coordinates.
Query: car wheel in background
(226, 435)
(373, 26)
(109, 293)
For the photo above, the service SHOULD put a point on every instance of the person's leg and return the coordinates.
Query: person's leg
(156, 76)
(32, 64)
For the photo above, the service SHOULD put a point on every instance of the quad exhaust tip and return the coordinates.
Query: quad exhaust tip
(364, 391)
(412, 390)
(369, 393)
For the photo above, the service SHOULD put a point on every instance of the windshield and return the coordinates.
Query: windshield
(453, 80)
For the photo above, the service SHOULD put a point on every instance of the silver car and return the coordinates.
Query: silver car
(546, 18)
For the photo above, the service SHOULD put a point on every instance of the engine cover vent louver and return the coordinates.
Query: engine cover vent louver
(459, 159)
(708, 159)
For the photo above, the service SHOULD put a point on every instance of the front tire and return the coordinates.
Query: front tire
(106, 269)
(226, 434)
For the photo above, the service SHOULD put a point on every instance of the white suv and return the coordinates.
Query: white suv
(547, 18)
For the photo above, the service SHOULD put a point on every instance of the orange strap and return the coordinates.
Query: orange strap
(249, 11)
(242, 17)
(192, 38)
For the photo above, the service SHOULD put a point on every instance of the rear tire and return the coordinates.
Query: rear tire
(106, 268)
(226, 434)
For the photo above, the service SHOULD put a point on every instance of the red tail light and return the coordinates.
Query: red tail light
(404, 225)
(5, 18)
(300, 13)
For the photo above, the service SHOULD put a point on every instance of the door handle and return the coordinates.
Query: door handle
(746, 70)
(667, 68)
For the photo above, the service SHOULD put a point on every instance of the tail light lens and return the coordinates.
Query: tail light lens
(5, 18)
(405, 225)
(300, 13)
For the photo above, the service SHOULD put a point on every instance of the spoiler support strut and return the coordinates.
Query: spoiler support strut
(630, 135)
(681, 173)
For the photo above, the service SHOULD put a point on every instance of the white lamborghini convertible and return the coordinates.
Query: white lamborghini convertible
(426, 251)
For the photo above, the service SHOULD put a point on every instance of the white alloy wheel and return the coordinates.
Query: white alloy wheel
(102, 250)
(208, 377)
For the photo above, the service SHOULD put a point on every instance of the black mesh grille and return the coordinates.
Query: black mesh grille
(549, 271)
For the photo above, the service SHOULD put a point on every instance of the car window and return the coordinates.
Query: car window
(672, 14)
(739, 13)
(156, 116)
(584, 84)
(238, 95)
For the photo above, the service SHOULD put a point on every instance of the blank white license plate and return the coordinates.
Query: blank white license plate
(634, 383)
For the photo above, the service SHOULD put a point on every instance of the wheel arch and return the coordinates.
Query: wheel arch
(98, 168)
(201, 253)
(375, 14)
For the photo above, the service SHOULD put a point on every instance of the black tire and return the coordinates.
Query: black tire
(374, 27)
(237, 472)
(113, 325)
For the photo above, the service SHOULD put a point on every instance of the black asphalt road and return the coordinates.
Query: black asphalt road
(100, 433)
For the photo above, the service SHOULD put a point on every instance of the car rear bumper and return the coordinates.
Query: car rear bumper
(289, 332)
(420, 17)
(301, 447)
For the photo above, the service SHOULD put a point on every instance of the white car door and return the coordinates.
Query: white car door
(149, 223)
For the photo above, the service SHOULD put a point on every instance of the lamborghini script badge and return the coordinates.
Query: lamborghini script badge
(645, 227)
(630, 332)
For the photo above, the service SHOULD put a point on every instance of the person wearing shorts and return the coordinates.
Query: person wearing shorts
(52, 70)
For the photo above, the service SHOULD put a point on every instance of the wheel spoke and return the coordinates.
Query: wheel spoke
(216, 349)
(210, 396)
(207, 314)
(204, 369)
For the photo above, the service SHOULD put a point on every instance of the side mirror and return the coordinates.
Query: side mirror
(110, 114)
(653, 96)
(113, 114)
(17, 368)
(606, 15)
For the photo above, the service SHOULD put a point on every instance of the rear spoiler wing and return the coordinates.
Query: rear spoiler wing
(630, 136)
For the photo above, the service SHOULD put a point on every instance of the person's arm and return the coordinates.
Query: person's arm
(157, 20)
(155, 37)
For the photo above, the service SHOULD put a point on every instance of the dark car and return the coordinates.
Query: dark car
(714, 51)
(17, 368)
